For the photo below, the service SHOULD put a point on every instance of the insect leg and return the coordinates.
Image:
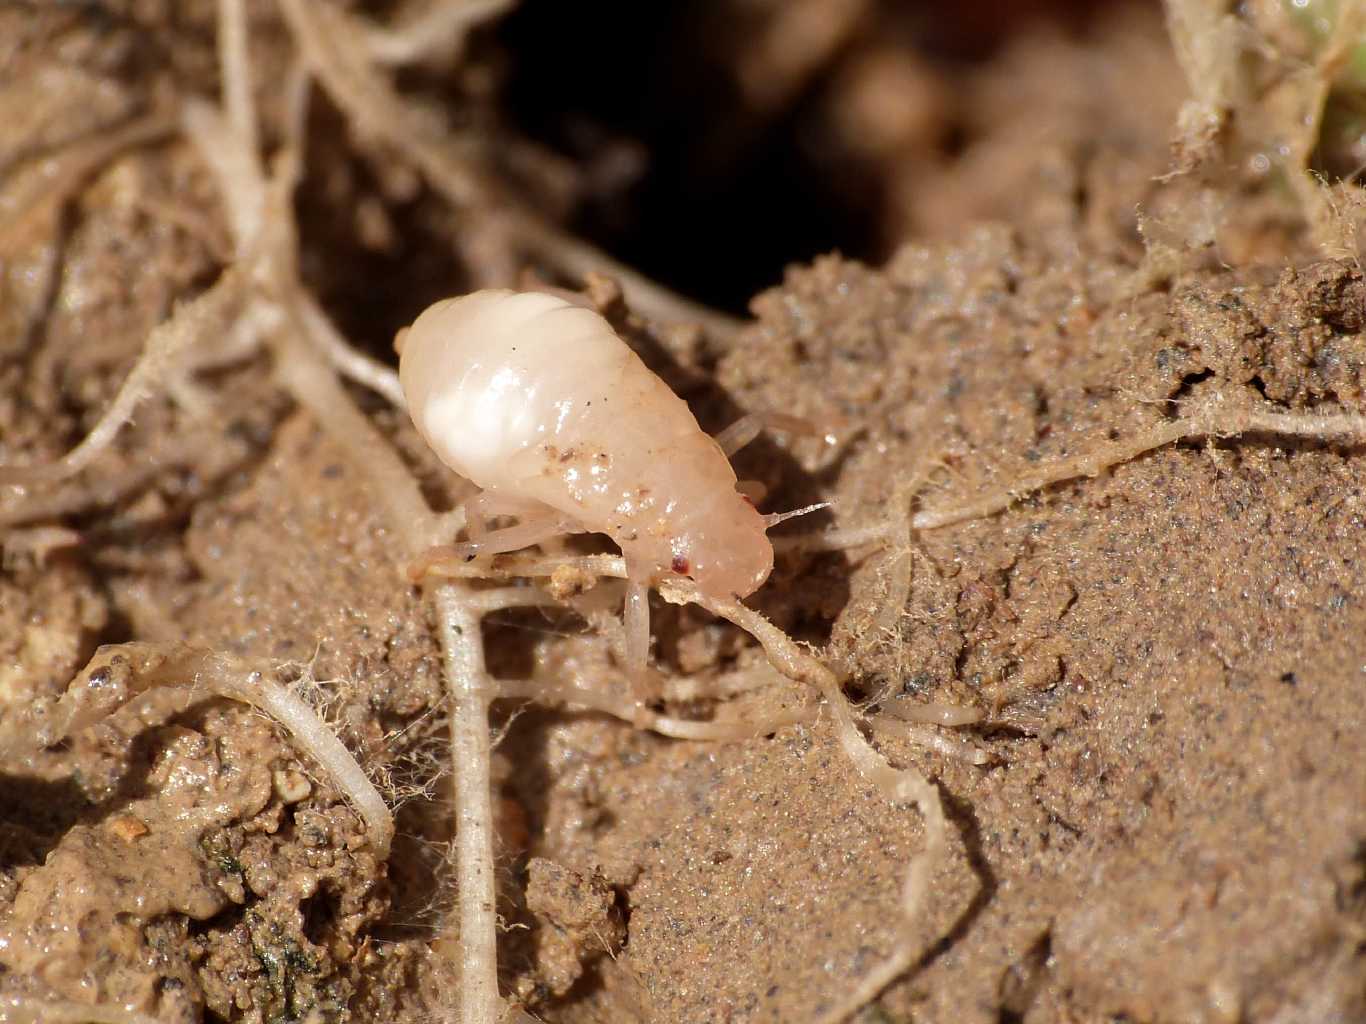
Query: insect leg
(526, 533)
(636, 619)
(755, 490)
(748, 427)
(488, 505)
(441, 559)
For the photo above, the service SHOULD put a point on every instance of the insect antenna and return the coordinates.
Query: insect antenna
(774, 518)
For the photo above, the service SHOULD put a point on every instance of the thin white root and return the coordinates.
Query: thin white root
(333, 44)
(544, 692)
(518, 565)
(1219, 419)
(33, 195)
(949, 715)
(928, 737)
(898, 785)
(119, 672)
(16, 1009)
(313, 735)
(187, 324)
(349, 362)
(303, 346)
(237, 171)
(498, 599)
(578, 258)
(441, 28)
(301, 367)
(74, 497)
(236, 74)
(901, 959)
(317, 389)
(470, 692)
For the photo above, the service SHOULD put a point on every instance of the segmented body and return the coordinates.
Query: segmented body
(537, 400)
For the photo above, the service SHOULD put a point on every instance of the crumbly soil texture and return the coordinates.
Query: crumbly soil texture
(1168, 657)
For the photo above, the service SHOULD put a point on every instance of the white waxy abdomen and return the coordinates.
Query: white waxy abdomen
(489, 375)
(533, 397)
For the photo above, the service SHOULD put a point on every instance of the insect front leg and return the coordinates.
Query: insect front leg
(486, 506)
(751, 425)
(536, 524)
(636, 620)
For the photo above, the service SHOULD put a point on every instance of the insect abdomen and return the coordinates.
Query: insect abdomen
(535, 397)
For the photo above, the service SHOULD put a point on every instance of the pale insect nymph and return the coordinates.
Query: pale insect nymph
(538, 402)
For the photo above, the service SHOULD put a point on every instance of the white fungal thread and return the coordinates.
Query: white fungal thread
(537, 401)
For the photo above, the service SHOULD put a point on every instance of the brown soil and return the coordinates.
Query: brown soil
(1169, 656)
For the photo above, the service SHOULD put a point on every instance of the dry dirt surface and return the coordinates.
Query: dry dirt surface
(1169, 657)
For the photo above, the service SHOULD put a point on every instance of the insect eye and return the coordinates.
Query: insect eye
(680, 565)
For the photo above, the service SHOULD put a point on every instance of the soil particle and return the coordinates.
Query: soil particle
(229, 881)
(578, 921)
(1167, 649)
(1297, 340)
(79, 918)
(49, 619)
